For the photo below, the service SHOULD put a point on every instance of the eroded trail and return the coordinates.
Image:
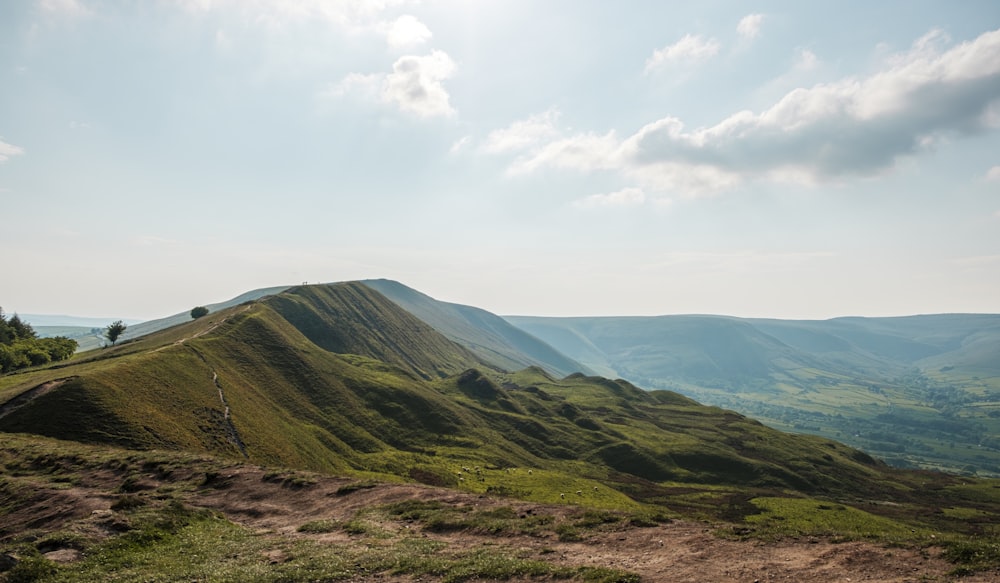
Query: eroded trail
(200, 333)
(680, 551)
(234, 435)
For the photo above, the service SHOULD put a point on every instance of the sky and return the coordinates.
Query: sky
(556, 158)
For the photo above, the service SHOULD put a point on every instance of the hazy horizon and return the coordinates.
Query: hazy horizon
(51, 319)
(558, 159)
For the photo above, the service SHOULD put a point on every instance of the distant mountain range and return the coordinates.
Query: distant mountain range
(918, 390)
(48, 320)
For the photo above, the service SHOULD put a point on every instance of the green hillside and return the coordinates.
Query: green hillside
(148, 327)
(340, 380)
(918, 391)
(488, 335)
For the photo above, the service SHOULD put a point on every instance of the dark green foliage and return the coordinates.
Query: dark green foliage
(628, 459)
(198, 312)
(114, 330)
(20, 347)
(17, 328)
(973, 554)
(31, 569)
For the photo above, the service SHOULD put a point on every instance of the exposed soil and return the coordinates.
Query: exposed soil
(680, 551)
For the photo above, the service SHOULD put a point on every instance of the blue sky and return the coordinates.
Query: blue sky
(772, 159)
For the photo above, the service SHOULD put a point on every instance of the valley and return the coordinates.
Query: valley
(446, 429)
(920, 392)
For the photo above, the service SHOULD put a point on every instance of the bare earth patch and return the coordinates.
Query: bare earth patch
(679, 551)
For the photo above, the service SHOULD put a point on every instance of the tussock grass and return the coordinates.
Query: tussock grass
(806, 517)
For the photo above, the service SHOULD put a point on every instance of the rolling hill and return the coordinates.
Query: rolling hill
(339, 377)
(918, 391)
(341, 380)
(486, 334)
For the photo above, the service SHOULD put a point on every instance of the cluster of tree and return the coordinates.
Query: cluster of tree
(21, 347)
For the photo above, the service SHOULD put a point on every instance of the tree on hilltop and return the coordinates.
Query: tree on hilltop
(198, 312)
(114, 330)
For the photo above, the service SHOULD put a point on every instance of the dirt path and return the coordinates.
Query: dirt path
(679, 552)
(234, 435)
(202, 332)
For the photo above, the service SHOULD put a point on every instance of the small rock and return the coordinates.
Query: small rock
(64, 556)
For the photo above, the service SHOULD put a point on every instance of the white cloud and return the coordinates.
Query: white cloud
(406, 32)
(749, 26)
(688, 49)
(621, 198)
(8, 150)
(993, 174)
(586, 152)
(851, 127)
(523, 134)
(415, 84)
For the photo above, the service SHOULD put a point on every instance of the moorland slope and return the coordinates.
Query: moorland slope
(919, 391)
(339, 379)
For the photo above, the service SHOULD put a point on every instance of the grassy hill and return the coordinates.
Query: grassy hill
(340, 380)
(919, 391)
(488, 335)
(150, 326)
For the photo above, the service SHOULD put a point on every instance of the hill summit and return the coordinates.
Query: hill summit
(276, 394)
(338, 377)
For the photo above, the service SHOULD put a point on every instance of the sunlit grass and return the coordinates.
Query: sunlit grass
(808, 517)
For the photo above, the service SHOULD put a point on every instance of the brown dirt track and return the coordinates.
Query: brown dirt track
(680, 551)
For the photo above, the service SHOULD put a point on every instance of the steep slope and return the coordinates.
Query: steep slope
(351, 318)
(919, 390)
(488, 335)
(339, 378)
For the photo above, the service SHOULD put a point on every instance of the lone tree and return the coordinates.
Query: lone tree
(199, 312)
(114, 330)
